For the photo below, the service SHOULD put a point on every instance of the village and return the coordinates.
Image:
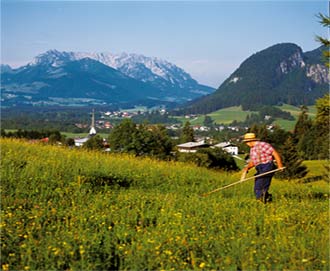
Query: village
(107, 119)
(201, 142)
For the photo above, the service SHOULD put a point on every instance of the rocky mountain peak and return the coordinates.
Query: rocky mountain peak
(52, 57)
(318, 74)
(147, 69)
(279, 74)
(294, 61)
(105, 77)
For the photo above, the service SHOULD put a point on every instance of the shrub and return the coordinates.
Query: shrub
(214, 158)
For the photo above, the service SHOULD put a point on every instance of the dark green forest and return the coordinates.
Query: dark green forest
(269, 77)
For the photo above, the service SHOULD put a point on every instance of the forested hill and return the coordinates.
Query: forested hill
(282, 73)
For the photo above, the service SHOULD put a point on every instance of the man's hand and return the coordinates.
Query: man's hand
(245, 171)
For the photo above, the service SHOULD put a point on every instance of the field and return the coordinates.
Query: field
(71, 209)
(222, 116)
(82, 135)
(229, 114)
(294, 111)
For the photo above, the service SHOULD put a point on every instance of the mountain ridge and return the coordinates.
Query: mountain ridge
(166, 81)
(281, 73)
(79, 79)
(156, 71)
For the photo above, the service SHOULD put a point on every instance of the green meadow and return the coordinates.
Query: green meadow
(82, 135)
(69, 209)
(229, 114)
(294, 111)
(222, 116)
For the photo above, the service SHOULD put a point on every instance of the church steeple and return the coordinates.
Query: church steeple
(92, 131)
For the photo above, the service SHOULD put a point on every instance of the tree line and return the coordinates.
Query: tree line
(308, 141)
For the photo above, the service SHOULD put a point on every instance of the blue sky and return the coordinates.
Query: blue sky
(208, 39)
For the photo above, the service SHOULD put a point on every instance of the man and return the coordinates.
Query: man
(261, 157)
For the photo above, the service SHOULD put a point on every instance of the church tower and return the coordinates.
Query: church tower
(92, 131)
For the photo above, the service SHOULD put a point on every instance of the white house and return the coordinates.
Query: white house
(192, 146)
(228, 147)
(78, 142)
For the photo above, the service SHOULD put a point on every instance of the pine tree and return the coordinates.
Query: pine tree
(325, 21)
(208, 121)
(303, 124)
(260, 131)
(322, 126)
(302, 132)
(323, 112)
(292, 162)
(313, 143)
(187, 133)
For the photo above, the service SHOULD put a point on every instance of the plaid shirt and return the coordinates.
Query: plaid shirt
(261, 153)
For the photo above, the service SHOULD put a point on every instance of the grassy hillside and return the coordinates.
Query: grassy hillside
(222, 116)
(294, 111)
(229, 114)
(78, 210)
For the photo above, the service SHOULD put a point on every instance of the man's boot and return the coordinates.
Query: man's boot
(269, 197)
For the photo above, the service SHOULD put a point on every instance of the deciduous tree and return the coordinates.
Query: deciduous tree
(151, 140)
(122, 136)
(94, 143)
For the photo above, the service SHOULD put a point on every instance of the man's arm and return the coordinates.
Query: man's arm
(248, 166)
(277, 159)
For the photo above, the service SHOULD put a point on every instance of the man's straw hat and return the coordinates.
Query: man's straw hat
(250, 137)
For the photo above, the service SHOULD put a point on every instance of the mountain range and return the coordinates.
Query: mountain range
(282, 73)
(75, 78)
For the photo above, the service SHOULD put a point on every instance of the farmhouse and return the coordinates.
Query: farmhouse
(192, 146)
(78, 142)
(228, 147)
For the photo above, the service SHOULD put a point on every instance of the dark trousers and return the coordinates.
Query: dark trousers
(262, 184)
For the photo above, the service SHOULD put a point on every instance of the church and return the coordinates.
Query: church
(78, 142)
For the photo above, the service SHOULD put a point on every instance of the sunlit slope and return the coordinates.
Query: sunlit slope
(236, 113)
(79, 210)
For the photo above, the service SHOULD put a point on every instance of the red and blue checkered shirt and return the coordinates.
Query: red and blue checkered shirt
(261, 153)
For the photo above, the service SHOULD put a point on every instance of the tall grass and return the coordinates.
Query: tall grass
(79, 210)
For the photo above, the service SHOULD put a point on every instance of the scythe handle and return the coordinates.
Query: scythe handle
(241, 181)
